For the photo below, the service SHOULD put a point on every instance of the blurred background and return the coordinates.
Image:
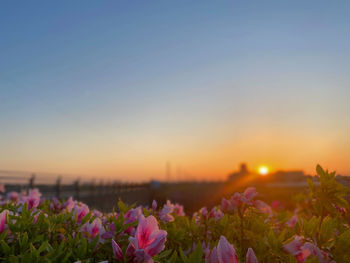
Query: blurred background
(147, 95)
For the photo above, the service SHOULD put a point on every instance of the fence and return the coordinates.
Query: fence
(103, 196)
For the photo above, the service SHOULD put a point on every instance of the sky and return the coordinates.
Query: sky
(116, 89)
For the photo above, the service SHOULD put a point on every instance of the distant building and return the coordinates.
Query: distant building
(243, 171)
(287, 176)
(280, 178)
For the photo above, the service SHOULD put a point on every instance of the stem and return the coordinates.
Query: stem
(322, 215)
(320, 224)
(242, 229)
(205, 231)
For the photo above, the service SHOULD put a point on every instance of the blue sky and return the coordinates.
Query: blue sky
(121, 87)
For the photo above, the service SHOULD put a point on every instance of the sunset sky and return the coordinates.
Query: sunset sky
(119, 88)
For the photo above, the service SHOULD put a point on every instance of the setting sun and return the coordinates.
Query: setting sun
(263, 170)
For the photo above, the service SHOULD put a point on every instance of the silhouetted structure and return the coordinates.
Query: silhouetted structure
(280, 178)
(287, 176)
(243, 171)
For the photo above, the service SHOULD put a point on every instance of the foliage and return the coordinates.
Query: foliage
(240, 229)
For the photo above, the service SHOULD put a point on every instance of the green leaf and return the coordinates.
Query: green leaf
(83, 248)
(197, 254)
(5, 247)
(93, 243)
(44, 246)
(183, 257)
(320, 170)
(173, 258)
(165, 254)
(122, 207)
(66, 257)
(311, 184)
(26, 258)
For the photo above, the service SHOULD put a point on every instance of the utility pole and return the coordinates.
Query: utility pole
(31, 181)
(168, 171)
(179, 173)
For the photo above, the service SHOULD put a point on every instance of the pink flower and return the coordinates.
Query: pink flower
(69, 204)
(154, 205)
(226, 252)
(117, 252)
(203, 211)
(33, 199)
(237, 200)
(216, 213)
(108, 234)
(250, 193)
(275, 204)
(97, 213)
(295, 248)
(225, 205)
(315, 251)
(165, 213)
(197, 218)
(263, 207)
(212, 257)
(13, 196)
(206, 248)
(2, 188)
(3, 216)
(179, 210)
(94, 228)
(133, 214)
(55, 204)
(291, 222)
(148, 241)
(80, 211)
(251, 258)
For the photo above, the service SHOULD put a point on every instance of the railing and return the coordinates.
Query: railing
(100, 195)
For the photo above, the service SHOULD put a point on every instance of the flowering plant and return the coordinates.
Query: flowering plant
(242, 228)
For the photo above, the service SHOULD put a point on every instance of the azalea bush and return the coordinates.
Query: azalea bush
(242, 228)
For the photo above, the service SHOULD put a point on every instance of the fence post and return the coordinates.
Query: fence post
(106, 188)
(111, 188)
(101, 188)
(58, 187)
(115, 188)
(31, 181)
(93, 192)
(77, 189)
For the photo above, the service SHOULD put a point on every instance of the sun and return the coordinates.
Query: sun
(263, 170)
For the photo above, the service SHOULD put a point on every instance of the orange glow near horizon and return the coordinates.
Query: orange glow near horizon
(212, 156)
